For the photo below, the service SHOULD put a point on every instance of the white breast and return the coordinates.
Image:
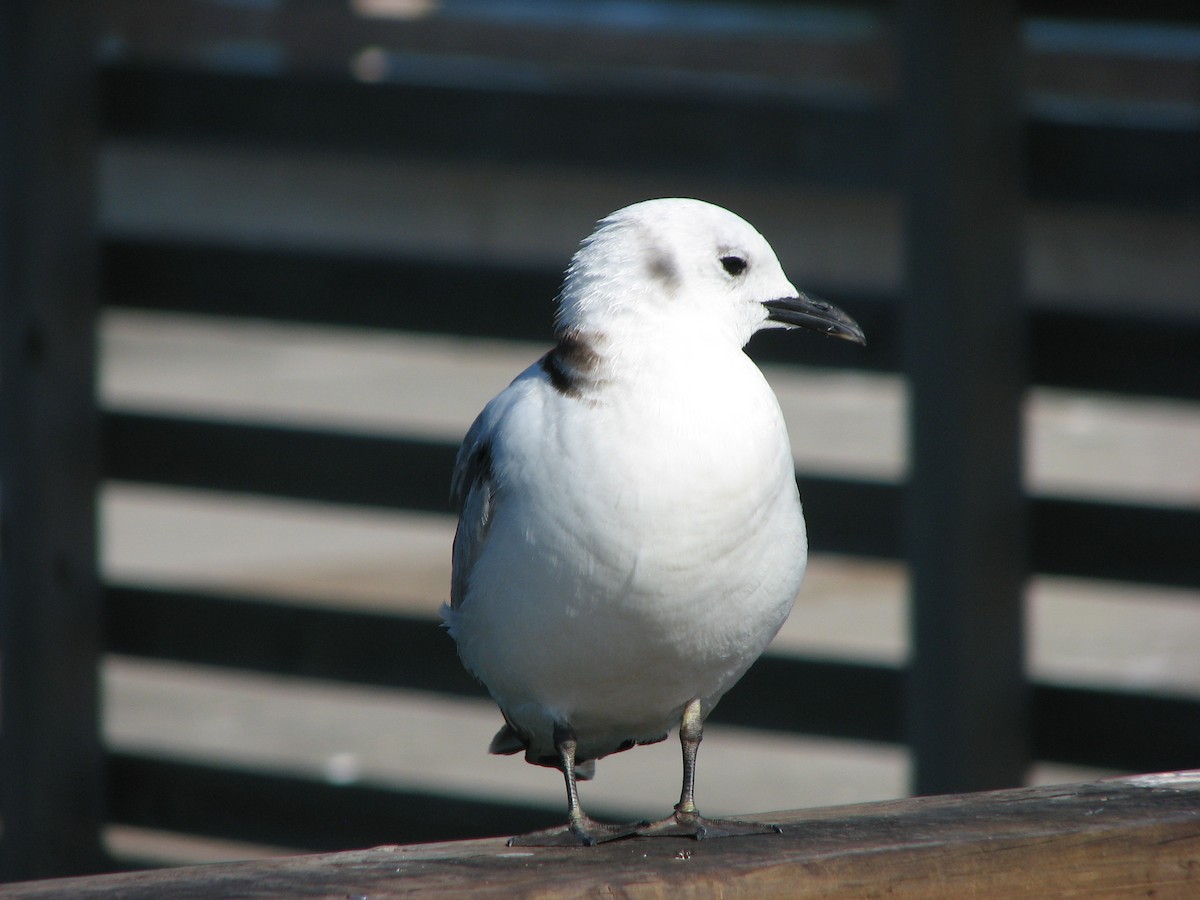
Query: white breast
(645, 549)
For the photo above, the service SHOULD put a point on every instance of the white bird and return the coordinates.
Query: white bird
(630, 535)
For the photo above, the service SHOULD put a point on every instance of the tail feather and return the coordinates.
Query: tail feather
(506, 742)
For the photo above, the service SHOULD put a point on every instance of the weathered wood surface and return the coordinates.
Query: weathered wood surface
(1137, 836)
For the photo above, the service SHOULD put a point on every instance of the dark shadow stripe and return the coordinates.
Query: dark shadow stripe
(305, 813)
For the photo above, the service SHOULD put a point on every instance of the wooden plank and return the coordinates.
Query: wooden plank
(1107, 728)
(964, 332)
(50, 792)
(1128, 837)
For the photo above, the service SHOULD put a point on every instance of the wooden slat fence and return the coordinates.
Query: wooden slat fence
(162, 79)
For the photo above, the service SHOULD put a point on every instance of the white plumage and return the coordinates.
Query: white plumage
(631, 536)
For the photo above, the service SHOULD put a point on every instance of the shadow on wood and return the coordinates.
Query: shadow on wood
(1121, 836)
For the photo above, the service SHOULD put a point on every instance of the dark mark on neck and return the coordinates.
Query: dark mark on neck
(573, 364)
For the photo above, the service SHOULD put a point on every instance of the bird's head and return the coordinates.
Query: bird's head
(685, 267)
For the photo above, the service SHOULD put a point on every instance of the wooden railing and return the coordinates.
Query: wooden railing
(1134, 837)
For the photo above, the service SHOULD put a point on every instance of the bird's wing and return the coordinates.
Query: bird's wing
(472, 489)
(474, 485)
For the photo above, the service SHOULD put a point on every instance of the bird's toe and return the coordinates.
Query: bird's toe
(703, 829)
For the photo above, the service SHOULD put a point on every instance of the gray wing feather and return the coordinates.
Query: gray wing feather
(472, 489)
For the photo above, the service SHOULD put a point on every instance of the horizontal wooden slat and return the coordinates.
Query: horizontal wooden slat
(1123, 352)
(1140, 161)
(1071, 537)
(857, 701)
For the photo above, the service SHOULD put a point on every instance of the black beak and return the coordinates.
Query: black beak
(808, 312)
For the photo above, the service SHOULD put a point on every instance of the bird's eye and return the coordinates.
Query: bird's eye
(734, 265)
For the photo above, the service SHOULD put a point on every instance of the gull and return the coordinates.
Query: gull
(630, 535)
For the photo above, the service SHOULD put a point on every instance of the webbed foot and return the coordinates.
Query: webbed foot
(582, 832)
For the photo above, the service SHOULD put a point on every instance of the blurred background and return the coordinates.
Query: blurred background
(330, 232)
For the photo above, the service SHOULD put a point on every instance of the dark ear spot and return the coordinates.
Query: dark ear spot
(662, 268)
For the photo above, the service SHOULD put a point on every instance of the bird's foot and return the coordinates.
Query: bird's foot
(692, 824)
(583, 832)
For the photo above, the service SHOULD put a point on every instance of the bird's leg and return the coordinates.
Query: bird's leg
(691, 733)
(686, 821)
(581, 830)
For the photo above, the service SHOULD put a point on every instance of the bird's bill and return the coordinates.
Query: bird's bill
(803, 311)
